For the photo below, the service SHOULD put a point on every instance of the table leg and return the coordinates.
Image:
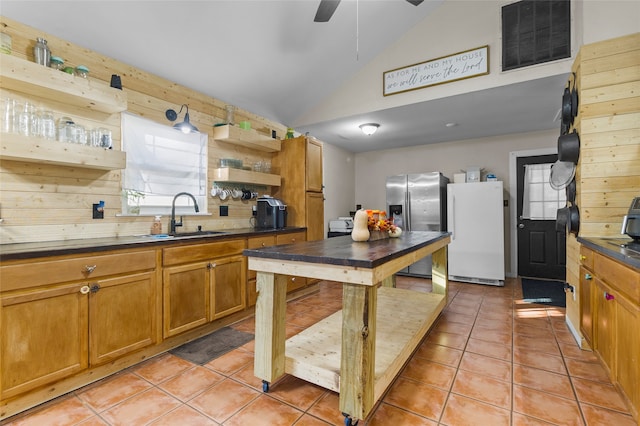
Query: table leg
(270, 332)
(357, 365)
(439, 271)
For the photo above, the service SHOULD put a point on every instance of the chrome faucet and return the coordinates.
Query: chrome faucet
(174, 224)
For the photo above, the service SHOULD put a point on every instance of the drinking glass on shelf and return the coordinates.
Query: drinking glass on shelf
(46, 125)
(94, 138)
(81, 135)
(106, 141)
(8, 115)
(23, 123)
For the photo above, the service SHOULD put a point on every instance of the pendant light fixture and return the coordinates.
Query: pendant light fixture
(185, 126)
(369, 128)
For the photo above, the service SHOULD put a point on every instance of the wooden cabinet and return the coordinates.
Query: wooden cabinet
(604, 332)
(586, 310)
(253, 243)
(60, 316)
(293, 282)
(610, 318)
(202, 282)
(123, 316)
(43, 337)
(300, 165)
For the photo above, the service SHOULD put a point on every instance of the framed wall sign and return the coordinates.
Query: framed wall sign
(467, 64)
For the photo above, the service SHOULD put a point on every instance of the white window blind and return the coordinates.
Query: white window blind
(162, 162)
(539, 200)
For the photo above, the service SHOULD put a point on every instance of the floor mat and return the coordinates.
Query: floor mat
(543, 292)
(211, 346)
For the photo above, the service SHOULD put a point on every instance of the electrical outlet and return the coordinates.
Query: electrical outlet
(254, 210)
(224, 210)
(98, 211)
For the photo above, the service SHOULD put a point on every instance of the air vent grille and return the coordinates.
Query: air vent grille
(534, 32)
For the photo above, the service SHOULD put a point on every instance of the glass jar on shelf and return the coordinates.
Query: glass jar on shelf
(82, 71)
(57, 63)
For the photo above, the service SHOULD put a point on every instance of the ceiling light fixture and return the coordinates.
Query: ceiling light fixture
(369, 128)
(185, 126)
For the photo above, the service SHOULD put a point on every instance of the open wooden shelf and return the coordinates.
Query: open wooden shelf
(37, 80)
(228, 174)
(248, 138)
(22, 148)
(403, 319)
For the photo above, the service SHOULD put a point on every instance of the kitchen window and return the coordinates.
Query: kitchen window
(540, 201)
(161, 162)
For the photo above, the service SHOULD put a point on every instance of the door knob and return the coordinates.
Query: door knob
(521, 225)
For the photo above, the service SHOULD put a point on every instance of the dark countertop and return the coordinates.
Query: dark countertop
(613, 247)
(346, 252)
(56, 248)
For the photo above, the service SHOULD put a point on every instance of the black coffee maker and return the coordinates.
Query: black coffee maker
(272, 213)
(631, 221)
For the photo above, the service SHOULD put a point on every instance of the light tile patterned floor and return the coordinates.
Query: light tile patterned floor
(489, 360)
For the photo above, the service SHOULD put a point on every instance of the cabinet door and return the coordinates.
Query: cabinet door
(123, 316)
(315, 216)
(628, 351)
(604, 328)
(43, 337)
(186, 295)
(229, 282)
(586, 317)
(314, 165)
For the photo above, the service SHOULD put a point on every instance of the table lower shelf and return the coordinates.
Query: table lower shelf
(403, 319)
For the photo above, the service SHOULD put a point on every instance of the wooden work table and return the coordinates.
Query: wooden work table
(360, 350)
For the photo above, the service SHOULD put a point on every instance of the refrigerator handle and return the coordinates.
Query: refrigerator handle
(408, 224)
(452, 225)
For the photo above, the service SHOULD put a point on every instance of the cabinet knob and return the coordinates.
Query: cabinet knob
(211, 265)
(587, 276)
(89, 269)
(264, 245)
(293, 279)
(608, 296)
(84, 289)
(583, 257)
(95, 288)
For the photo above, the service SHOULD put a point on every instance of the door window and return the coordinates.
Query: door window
(540, 201)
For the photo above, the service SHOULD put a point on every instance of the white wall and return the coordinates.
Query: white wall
(339, 182)
(605, 19)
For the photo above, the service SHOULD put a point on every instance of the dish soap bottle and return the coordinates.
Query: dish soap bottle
(156, 226)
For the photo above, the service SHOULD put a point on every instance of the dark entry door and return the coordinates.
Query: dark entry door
(541, 249)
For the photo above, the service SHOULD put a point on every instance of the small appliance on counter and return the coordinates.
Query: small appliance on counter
(631, 221)
(272, 213)
(342, 224)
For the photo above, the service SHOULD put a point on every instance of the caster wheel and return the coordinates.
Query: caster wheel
(265, 386)
(348, 421)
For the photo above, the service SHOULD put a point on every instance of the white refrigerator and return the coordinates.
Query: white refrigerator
(475, 219)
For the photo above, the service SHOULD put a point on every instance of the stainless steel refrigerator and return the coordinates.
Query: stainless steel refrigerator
(418, 202)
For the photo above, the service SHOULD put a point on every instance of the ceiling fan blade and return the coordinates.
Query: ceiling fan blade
(415, 2)
(325, 10)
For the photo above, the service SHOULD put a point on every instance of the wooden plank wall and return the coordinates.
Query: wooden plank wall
(44, 203)
(608, 122)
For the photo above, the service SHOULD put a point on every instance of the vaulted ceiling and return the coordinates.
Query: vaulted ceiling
(269, 57)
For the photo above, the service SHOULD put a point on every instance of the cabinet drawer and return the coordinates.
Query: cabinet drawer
(200, 252)
(25, 275)
(259, 242)
(586, 257)
(291, 238)
(618, 276)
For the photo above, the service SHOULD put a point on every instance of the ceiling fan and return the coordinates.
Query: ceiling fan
(327, 7)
